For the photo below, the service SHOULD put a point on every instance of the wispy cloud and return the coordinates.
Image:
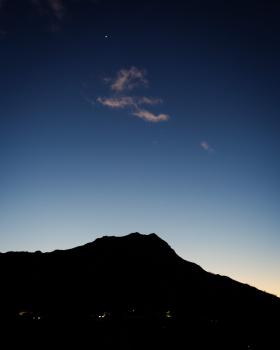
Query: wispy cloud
(57, 8)
(117, 102)
(149, 101)
(205, 145)
(129, 79)
(151, 117)
(53, 8)
(127, 101)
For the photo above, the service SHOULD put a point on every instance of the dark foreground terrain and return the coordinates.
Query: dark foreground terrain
(130, 292)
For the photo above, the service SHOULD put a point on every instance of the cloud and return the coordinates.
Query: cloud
(132, 102)
(205, 145)
(53, 8)
(151, 117)
(57, 8)
(129, 79)
(149, 101)
(116, 102)
(127, 101)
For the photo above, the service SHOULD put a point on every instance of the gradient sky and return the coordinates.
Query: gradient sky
(118, 117)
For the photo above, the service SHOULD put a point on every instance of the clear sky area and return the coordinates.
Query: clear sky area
(148, 116)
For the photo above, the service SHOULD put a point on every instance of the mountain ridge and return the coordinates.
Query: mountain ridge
(135, 285)
(135, 238)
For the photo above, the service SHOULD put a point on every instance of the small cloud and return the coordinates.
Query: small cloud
(151, 117)
(107, 80)
(205, 145)
(129, 79)
(149, 101)
(54, 8)
(57, 8)
(117, 102)
(127, 101)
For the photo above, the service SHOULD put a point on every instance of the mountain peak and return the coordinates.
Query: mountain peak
(133, 245)
(131, 237)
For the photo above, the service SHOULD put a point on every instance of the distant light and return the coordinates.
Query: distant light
(25, 313)
(106, 36)
(22, 313)
(104, 315)
(168, 314)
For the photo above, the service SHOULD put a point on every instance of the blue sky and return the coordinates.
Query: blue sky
(203, 176)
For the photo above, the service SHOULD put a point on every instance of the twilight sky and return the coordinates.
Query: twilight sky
(120, 116)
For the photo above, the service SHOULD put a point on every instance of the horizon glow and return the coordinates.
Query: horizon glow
(171, 129)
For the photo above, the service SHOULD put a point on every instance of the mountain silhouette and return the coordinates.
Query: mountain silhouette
(129, 289)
